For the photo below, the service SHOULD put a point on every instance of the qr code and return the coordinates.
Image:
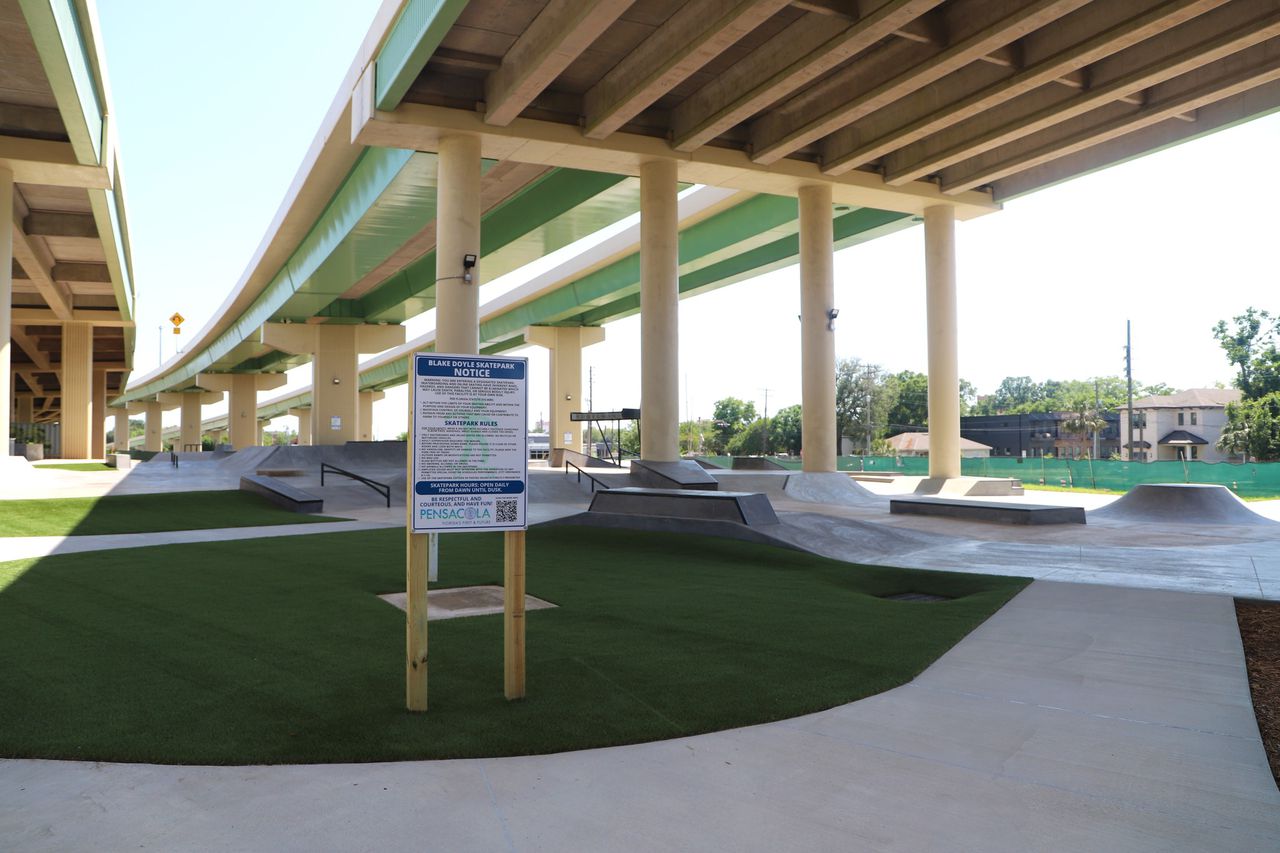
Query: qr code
(508, 510)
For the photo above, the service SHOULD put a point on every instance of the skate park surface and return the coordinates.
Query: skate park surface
(1105, 707)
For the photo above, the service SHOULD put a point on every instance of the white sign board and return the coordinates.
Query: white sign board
(469, 438)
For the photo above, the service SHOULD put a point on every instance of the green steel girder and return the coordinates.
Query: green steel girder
(741, 222)
(414, 37)
(553, 211)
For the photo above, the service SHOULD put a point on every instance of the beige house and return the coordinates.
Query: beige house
(917, 444)
(1185, 425)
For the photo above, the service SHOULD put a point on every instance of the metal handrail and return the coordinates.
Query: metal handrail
(381, 488)
(581, 471)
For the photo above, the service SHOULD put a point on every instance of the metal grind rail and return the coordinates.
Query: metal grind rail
(581, 471)
(381, 488)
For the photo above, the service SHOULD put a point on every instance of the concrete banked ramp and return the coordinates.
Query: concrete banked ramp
(1179, 503)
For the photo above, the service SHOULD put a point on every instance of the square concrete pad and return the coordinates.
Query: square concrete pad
(465, 601)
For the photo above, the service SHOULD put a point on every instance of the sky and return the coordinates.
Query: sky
(216, 104)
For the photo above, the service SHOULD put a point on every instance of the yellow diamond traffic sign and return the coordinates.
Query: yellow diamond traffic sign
(177, 319)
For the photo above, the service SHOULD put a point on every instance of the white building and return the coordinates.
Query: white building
(1185, 425)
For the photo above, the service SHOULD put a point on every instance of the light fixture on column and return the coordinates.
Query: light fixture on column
(337, 381)
(568, 396)
(468, 264)
(832, 314)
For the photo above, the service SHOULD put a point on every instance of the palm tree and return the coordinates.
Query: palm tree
(1085, 420)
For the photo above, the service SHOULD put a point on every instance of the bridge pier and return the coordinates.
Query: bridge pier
(6, 301)
(335, 370)
(304, 424)
(458, 237)
(565, 345)
(190, 404)
(365, 424)
(944, 372)
(120, 429)
(659, 312)
(817, 330)
(98, 416)
(242, 401)
(76, 378)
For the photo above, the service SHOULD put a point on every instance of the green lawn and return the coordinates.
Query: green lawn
(144, 514)
(278, 651)
(74, 466)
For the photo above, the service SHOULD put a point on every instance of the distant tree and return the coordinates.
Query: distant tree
(910, 409)
(1250, 346)
(750, 440)
(784, 431)
(864, 395)
(731, 416)
(1254, 428)
(1085, 420)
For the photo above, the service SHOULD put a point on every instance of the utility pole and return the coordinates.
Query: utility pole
(1097, 413)
(1128, 373)
(766, 423)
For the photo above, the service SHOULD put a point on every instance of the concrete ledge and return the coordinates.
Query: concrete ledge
(1002, 513)
(972, 486)
(281, 494)
(120, 461)
(737, 507)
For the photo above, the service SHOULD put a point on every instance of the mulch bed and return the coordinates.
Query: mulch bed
(1260, 631)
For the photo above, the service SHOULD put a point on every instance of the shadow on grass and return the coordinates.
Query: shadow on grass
(277, 650)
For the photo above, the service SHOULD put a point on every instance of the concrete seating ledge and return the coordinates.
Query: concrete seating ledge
(1003, 513)
(281, 493)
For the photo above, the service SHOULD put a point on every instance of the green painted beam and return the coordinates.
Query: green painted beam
(414, 37)
(549, 201)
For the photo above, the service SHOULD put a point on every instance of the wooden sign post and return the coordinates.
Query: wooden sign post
(467, 464)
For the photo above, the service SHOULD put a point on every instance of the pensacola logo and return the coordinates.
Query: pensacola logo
(459, 513)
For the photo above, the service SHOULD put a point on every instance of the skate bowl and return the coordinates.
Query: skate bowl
(1179, 503)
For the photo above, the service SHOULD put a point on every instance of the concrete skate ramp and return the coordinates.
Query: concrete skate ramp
(831, 488)
(1179, 503)
(559, 488)
(357, 456)
(823, 488)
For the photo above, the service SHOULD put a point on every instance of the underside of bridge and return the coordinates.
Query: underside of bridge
(886, 113)
(64, 261)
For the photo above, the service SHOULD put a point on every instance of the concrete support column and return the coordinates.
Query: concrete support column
(565, 345)
(76, 379)
(457, 235)
(6, 303)
(659, 312)
(98, 439)
(818, 440)
(242, 402)
(335, 370)
(24, 411)
(367, 399)
(153, 439)
(120, 429)
(260, 438)
(190, 405)
(304, 424)
(335, 386)
(944, 370)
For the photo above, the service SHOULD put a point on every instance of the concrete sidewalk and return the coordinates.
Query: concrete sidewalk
(1077, 718)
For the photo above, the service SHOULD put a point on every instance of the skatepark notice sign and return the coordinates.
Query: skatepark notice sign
(469, 437)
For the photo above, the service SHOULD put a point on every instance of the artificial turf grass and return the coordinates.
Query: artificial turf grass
(151, 513)
(74, 466)
(278, 651)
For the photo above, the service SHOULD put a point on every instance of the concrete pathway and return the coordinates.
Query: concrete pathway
(1078, 718)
